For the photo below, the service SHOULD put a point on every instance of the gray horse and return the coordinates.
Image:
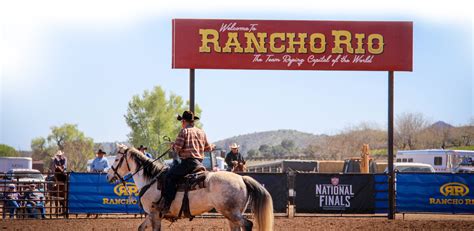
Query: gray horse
(226, 192)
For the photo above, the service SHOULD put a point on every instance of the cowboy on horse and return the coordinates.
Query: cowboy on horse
(226, 192)
(235, 161)
(190, 146)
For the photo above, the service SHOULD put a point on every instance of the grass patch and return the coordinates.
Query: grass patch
(470, 148)
(379, 152)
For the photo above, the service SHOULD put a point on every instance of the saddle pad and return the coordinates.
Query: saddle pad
(192, 181)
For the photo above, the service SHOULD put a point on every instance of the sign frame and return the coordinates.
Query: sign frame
(391, 176)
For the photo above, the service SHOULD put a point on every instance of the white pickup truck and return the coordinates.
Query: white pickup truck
(22, 178)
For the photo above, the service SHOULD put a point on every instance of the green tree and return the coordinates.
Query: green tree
(152, 116)
(288, 145)
(77, 147)
(265, 149)
(279, 151)
(253, 154)
(7, 151)
(39, 148)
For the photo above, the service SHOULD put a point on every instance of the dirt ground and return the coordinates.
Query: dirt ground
(410, 222)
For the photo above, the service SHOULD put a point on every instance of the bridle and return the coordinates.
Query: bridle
(124, 155)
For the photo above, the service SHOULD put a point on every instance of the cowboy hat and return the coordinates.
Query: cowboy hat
(59, 152)
(188, 116)
(101, 152)
(234, 146)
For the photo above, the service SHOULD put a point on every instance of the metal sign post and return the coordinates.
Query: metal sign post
(391, 175)
(191, 90)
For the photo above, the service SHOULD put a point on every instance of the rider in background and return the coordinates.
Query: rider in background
(100, 163)
(59, 161)
(233, 158)
(190, 145)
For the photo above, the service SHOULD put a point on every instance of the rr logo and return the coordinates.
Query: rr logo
(120, 189)
(454, 189)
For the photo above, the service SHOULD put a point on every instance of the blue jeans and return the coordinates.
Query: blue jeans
(32, 210)
(175, 173)
(11, 206)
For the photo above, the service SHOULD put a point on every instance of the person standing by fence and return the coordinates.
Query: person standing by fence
(144, 150)
(59, 162)
(100, 163)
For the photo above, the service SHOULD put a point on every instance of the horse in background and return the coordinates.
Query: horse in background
(57, 190)
(238, 167)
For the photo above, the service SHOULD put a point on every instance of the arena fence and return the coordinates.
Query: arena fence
(28, 195)
(435, 193)
(90, 193)
(299, 194)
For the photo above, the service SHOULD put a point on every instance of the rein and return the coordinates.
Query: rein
(149, 163)
(124, 154)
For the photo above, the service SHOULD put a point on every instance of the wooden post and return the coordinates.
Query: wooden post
(391, 175)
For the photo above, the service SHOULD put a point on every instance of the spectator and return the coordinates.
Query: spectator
(34, 202)
(59, 162)
(143, 150)
(11, 200)
(100, 163)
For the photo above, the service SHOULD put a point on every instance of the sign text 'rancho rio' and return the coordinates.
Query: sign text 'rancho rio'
(292, 45)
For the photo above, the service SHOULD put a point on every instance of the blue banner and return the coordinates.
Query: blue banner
(436, 192)
(381, 193)
(91, 193)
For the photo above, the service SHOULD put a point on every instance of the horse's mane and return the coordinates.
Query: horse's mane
(150, 170)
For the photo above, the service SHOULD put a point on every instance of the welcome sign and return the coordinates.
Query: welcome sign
(292, 45)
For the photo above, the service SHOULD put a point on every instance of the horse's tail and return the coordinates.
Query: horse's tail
(261, 202)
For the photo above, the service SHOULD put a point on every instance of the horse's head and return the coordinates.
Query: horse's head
(120, 167)
(58, 169)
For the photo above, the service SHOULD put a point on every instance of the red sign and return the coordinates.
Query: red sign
(292, 45)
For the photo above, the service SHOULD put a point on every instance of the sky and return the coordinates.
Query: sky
(81, 63)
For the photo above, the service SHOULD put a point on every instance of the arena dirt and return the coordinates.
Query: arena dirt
(411, 222)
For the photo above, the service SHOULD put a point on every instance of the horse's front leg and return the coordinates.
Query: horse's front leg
(147, 222)
(155, 220)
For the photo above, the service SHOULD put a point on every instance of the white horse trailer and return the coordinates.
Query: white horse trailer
(442, 160)
(8, 163)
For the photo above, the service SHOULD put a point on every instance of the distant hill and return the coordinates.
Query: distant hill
(271, 138)
(441, 125)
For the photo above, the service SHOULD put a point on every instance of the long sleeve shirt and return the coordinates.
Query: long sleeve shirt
(99, 165)
(61, 162)
(191, 143)
(34, 197)
(233, 157)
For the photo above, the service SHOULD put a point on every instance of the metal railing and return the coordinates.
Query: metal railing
(33, 195)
